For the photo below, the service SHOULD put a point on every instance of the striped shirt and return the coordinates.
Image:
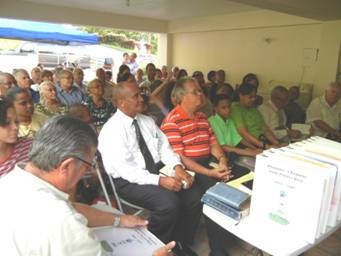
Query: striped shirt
(189, 137)
(19, 154)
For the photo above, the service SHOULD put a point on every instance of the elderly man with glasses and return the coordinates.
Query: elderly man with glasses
(192, 137)
(37, 217)
(67, 93)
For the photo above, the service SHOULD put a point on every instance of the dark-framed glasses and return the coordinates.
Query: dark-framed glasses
(93, 163)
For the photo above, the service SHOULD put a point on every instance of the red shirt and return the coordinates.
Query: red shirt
(19, 154)
(189, 137)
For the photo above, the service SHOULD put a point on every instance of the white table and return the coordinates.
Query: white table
(269, 239)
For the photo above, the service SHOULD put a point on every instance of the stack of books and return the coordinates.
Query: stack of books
(298, 188)
(227, 200)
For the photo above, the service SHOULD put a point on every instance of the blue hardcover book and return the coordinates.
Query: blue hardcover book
(224, 208)
(229, 195)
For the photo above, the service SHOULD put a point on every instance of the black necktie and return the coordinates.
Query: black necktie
(148, 158)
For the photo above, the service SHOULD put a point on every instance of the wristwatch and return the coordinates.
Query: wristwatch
(117, 221)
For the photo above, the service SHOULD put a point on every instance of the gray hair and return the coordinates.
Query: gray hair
(334, 84)
(61, 137)
(19, 71)
(119, 91)
(42, 87)
(93, 82)
(179, 89)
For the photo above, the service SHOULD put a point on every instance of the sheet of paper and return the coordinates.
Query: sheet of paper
(279, 190)
(335, 203)
(303, 128)
(127, 241)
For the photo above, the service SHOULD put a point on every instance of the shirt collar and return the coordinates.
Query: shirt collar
(56, 191)
(324, 102)
(220, 119)
(127, 120)
(272, 105)
(181, 111)
(60, 89)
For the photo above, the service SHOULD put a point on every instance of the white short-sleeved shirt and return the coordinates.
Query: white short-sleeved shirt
(274, 118)
(121, 153)
(37, 219)
(319, 109)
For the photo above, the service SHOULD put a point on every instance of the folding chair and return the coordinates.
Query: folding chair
(119, 201)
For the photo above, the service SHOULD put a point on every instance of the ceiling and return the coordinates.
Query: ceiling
(323, 10)
(177, 9)
(158, 9)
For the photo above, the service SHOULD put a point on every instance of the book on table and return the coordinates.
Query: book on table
(293, 190)
(228, 200)
(327, 151)
(329, 171)
(320, 155)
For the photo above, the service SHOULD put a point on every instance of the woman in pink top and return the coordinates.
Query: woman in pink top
(12, 149)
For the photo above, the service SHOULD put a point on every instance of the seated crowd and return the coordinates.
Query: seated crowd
(53, 122)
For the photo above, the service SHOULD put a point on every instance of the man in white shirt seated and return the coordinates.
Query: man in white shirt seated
(37, 217)
(324, 113)
(134, 149)
(274, 115)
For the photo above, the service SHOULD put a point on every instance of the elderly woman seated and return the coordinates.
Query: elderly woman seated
(49, 104)
(100, 109)
(29, 121)
(12, 149)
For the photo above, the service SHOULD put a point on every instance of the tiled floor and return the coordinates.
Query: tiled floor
(329, 247)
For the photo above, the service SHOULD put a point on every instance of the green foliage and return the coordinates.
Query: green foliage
(9, 44)
(123, 38)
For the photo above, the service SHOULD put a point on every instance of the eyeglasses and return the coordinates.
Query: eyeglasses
(92, 165)
(196, 92)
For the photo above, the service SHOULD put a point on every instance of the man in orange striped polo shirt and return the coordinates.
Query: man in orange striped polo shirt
(191, 136)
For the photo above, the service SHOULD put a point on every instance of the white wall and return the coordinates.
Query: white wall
(274, 46)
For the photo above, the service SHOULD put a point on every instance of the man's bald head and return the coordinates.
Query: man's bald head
(280, 96)
(127, 98)
(333, 93)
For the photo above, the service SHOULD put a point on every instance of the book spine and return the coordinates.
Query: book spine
(225, 200)
(226, 210)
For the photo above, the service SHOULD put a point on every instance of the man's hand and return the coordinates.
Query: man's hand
(131, 221)
(295, 134)
(165, 250)
(223, 163)
(181, 174)
(219, 173)
(254, 152)
(170, 183)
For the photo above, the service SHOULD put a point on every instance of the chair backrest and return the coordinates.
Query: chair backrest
(119, 201)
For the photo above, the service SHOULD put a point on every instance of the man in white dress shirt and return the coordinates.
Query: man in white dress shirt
(274, 115)
(135, 164)
(36, 216)
(324, 113)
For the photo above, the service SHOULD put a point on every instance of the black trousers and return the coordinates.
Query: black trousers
(174, 215)
(217, 236)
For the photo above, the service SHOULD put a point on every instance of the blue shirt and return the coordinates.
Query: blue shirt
(72, 97)
(35, 95)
